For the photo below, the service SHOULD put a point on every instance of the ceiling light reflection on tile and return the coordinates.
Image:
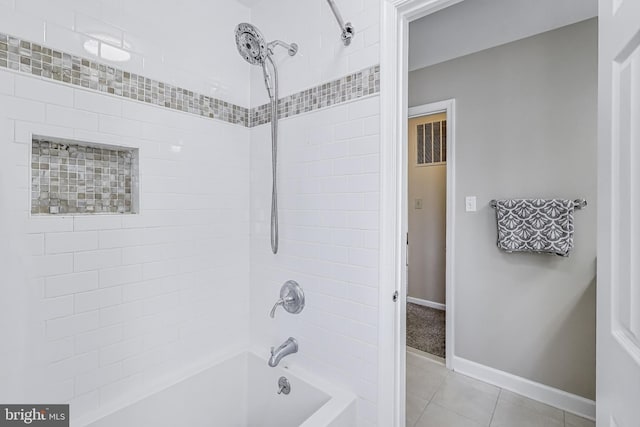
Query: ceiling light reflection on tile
(103, 47)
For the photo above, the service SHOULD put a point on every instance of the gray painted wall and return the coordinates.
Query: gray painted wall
(471, 26)
(526, 127)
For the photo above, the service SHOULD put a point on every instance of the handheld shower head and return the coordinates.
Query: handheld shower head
(253, 47)
(256, 51)
(251, 44)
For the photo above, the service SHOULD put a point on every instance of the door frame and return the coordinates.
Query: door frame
(395, 16)
(449, 107)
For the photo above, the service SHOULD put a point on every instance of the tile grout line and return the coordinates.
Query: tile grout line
(498, 397)
(494, 407)
(432, 396)
(444, 378)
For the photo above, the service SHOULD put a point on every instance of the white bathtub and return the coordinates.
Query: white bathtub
(239, 392)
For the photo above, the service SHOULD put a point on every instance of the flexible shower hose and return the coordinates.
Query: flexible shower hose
(274, 159)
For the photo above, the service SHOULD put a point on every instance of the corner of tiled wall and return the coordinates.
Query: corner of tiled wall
(124, 298)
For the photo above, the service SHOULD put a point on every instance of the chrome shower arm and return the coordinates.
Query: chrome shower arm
(292, 48)
(347, 29)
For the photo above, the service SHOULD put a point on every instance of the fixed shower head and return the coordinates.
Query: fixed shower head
(251, 44)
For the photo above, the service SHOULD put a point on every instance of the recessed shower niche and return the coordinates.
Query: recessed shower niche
(77, 178)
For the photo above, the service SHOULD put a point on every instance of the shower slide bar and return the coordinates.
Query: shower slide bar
(348, 32)
(577, 203)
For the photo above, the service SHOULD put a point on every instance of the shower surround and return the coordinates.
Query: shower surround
(105, 308)
(329, 198)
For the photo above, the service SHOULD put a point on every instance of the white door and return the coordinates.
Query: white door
(618, 324)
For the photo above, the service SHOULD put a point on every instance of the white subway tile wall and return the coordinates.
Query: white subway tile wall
(31, 58)
(117, 301)
(328, 203)
(322, 57)
(70, 25)
(116, 318)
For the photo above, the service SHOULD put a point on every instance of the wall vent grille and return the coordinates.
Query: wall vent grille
(432, 143)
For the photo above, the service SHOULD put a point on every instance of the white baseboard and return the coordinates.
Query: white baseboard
(426, 303)
(551, 396)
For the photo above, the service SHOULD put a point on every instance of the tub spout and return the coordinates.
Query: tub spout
(288, 347)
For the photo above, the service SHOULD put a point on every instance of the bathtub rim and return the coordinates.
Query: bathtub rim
(339, 399)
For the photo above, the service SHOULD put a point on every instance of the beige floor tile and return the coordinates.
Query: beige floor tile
(470, 398)
(454, 400)
(539, 407)
(423, 385)
(424, 377)
(414, 408)
(431, 369)
(509, 414)
(437, 416)
(576, 421)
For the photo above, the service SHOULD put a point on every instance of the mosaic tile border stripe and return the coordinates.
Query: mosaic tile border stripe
(34, 59)
(352, 86)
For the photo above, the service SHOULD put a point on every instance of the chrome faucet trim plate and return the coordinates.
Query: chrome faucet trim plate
(291, 298)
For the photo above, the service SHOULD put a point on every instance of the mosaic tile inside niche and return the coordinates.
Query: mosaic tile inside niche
(32, 58)
(353, 86)
(71, 178)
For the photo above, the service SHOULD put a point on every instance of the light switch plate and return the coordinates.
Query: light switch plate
(417, 204)
(470, 203)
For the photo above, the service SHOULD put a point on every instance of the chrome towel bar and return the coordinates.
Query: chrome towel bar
(577, 203)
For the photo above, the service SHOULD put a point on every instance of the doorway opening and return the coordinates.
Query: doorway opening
(426, 235)
(490, 77)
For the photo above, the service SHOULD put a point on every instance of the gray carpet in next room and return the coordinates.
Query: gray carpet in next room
(426, 329)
